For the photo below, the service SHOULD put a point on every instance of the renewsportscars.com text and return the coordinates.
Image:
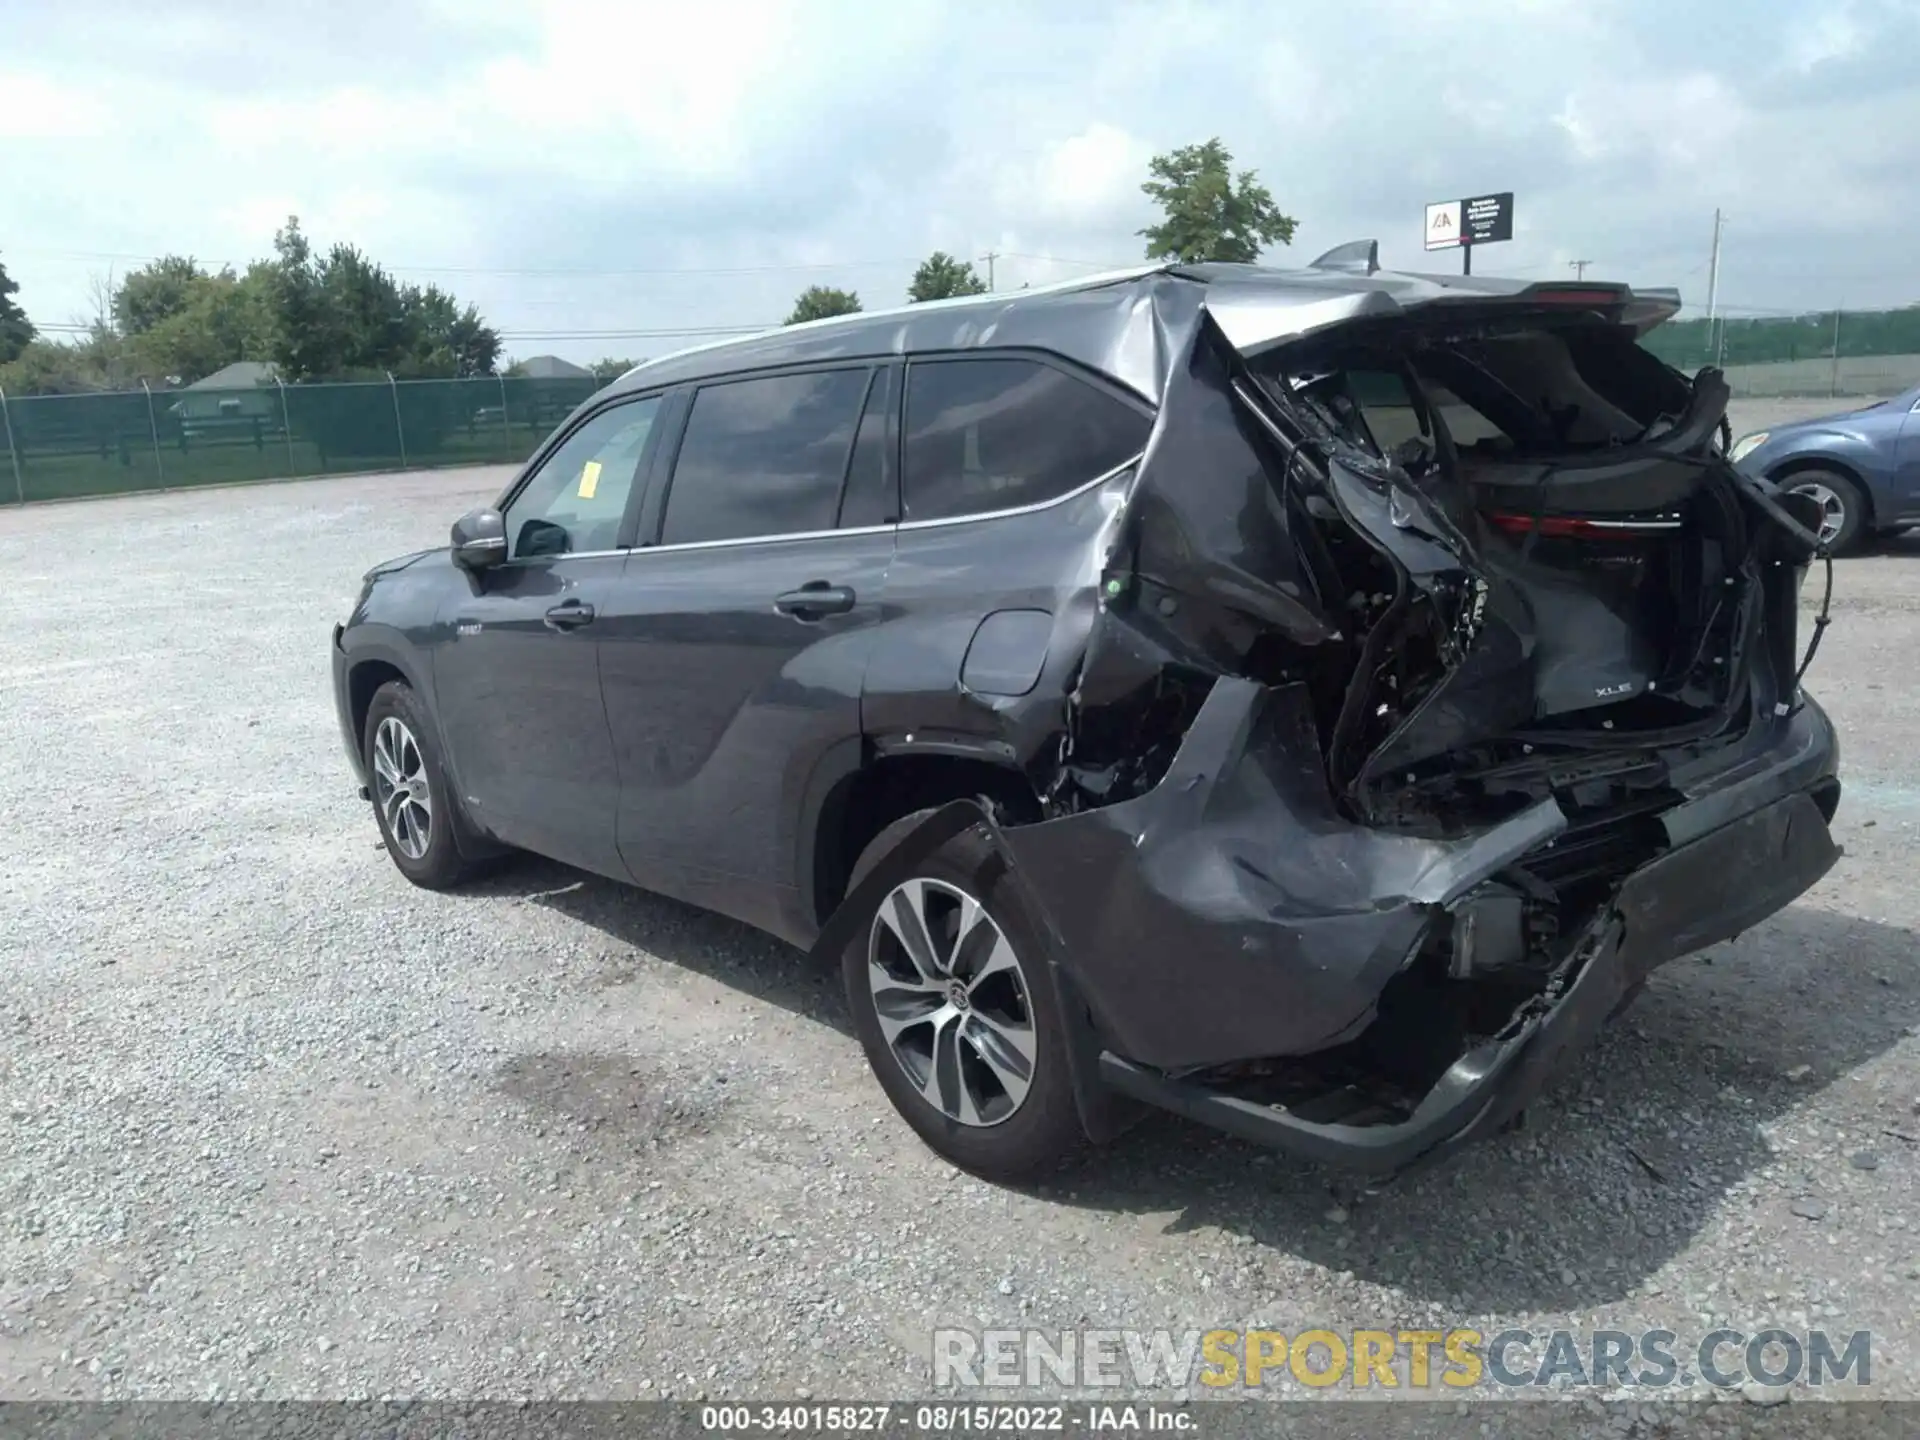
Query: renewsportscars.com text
(1452, 1359)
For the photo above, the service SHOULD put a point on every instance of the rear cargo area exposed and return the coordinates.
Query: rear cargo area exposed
(1533, 523)
(1525, 655)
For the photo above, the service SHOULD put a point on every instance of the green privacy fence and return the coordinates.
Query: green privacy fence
(1816, 353)
(61, 446)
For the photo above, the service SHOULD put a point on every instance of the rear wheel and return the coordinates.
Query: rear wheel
(1843, 508)
(951, 1000)
(407, 782)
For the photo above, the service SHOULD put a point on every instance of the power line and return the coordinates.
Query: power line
(1064, 260)
(588, 272)
(523, 272)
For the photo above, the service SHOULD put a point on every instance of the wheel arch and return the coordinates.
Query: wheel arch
(888, 787)
(365, 676)
(371, 664)
(366, 672)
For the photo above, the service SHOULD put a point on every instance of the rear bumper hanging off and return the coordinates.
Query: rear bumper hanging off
(1230, 913)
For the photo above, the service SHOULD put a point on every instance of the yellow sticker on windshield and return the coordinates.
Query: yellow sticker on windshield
(589, 479)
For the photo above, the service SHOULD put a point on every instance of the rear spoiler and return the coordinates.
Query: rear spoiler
(1640, 309)
(1258, 310)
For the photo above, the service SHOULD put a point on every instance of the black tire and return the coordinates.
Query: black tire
(1833, 488)
(440, 865)
(1044, 1128)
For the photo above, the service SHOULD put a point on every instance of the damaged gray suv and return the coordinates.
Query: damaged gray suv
(1311, 702)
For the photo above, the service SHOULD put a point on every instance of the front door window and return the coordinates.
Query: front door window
(575, 501)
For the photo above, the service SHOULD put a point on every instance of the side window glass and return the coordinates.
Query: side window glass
(872, 493)
(575, 501)
(764, 457)
(985, 435)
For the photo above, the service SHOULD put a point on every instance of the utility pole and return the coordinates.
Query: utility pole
(1713, 291)
(1579, 268)
(989, 258)
(1833, 375)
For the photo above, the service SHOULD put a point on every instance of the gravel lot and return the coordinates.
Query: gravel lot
(277, 1124)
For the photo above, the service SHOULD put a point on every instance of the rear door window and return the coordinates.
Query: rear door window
(764, 457)
(998, 434)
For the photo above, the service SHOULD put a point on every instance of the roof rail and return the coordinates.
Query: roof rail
(1356, 257)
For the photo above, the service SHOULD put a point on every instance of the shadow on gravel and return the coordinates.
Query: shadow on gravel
(736, 955)
(1619, 1165)
(1904, 542)
(1617, 1169)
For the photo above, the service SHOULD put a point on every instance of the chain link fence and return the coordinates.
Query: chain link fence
(59, 447)
(1780, 354)
(62, 446)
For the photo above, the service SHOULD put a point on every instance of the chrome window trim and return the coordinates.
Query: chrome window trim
(556, 559)
(759, 539)
(945, 520)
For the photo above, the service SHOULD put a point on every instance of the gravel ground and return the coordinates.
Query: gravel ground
(277, 1124)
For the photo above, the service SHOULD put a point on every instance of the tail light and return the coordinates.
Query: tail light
(1581, 527)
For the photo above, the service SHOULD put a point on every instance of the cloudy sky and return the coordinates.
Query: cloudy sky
(583, 171)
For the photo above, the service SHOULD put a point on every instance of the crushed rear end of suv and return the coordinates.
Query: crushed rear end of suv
(1439, 680)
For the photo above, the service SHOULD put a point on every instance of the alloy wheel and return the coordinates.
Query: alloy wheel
(1833, 509)
(952, 1001)
(400, 787)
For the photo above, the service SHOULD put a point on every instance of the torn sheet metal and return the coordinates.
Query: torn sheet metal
(1206, 522)
(1231, 912)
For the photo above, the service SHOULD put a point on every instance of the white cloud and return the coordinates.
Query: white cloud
(41, 107)
(1830, 34)
(1681, 121)
(497, 137)
(1089, 177)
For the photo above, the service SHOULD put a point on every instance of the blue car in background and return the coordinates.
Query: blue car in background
(1863, 466)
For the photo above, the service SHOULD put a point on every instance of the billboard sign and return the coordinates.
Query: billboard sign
(1480, 220)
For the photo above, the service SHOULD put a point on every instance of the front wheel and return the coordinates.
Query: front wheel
(952, 1002)
(412, 801)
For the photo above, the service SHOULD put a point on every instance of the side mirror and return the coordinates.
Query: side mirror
(479, 540)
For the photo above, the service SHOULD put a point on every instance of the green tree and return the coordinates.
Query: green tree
(16, 331)
(611, 369)
(301, 351)
(941, 277)
(343, 315)
(1209, 213)
(817, 302)
(46, 367)
(208, 322)
(443, 337)
(157, 292)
